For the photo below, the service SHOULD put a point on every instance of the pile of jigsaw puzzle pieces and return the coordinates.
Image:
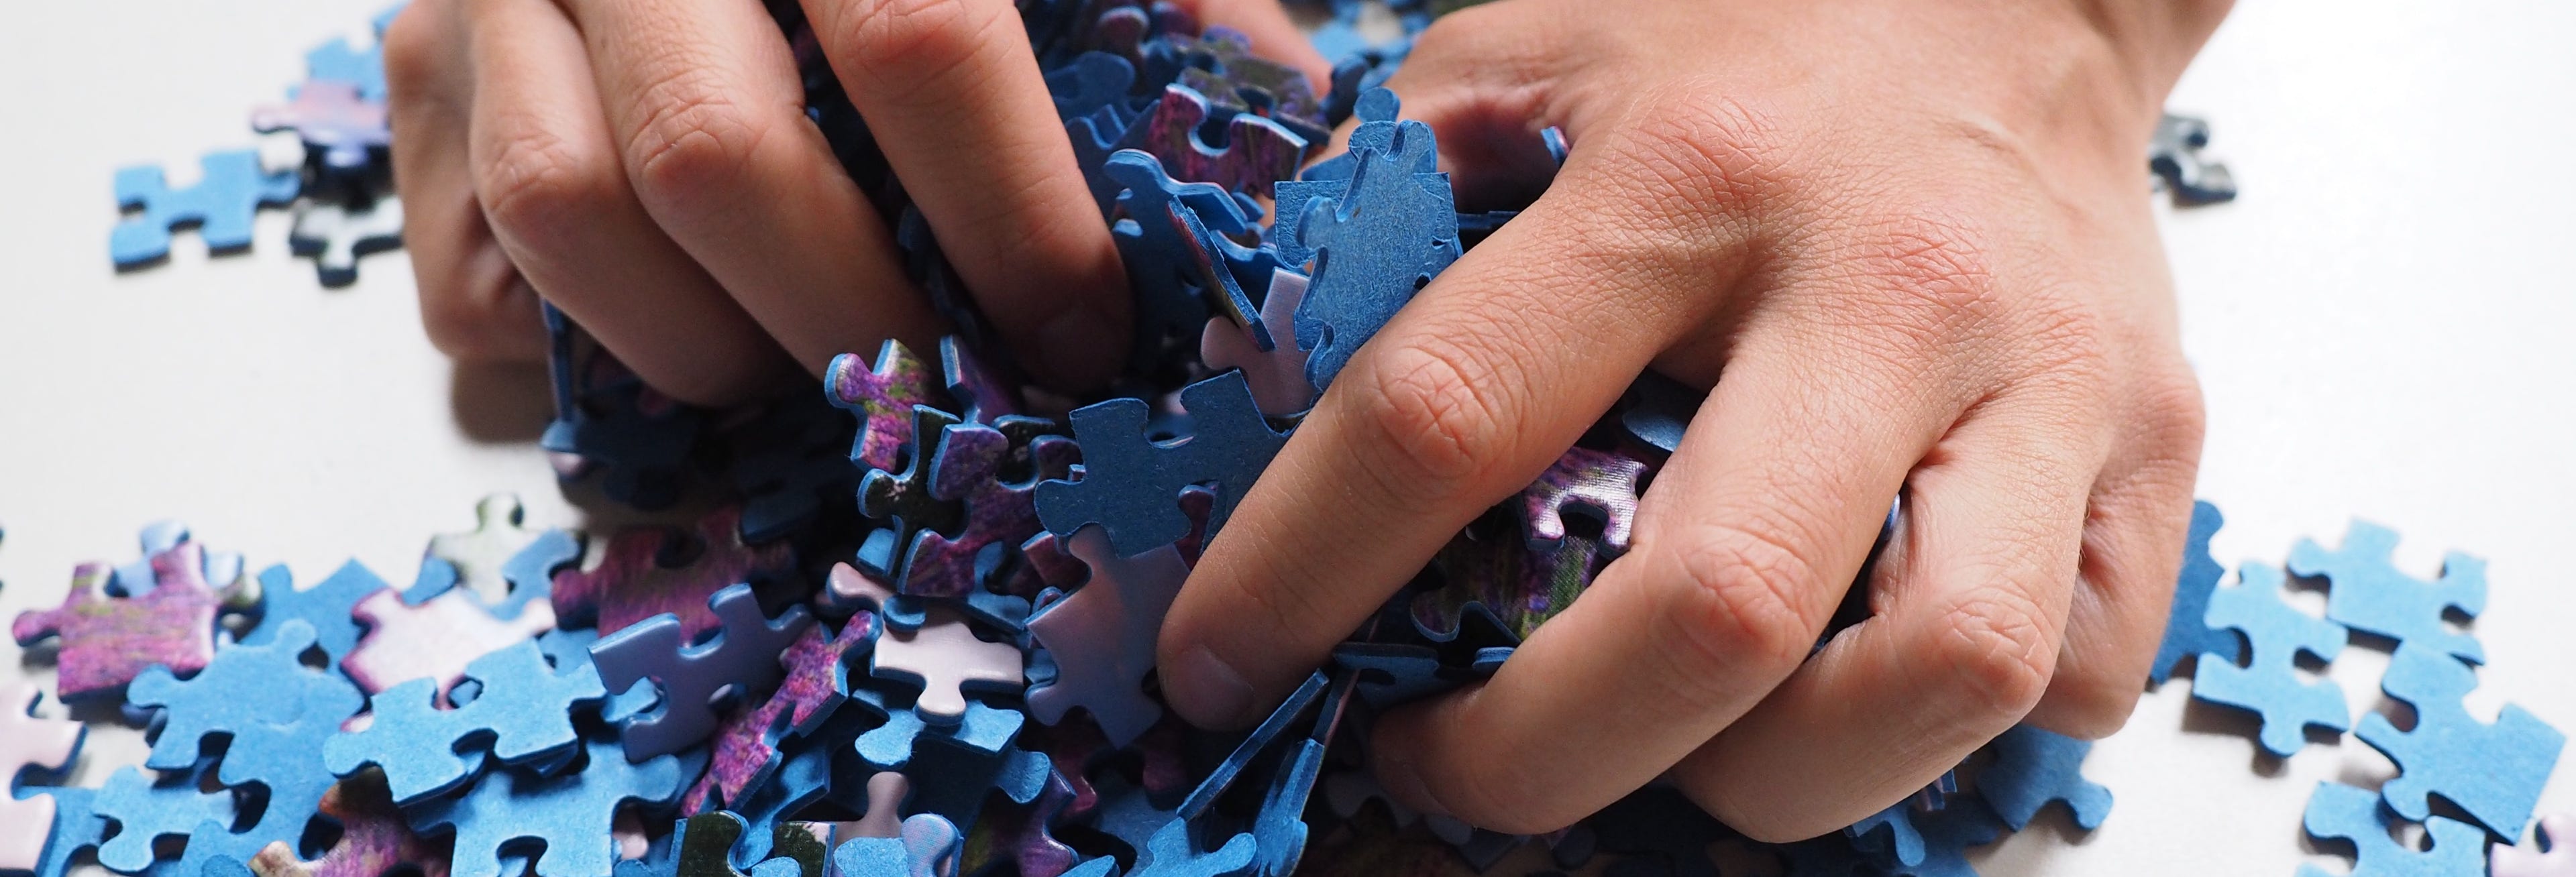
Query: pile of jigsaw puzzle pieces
(342, 192)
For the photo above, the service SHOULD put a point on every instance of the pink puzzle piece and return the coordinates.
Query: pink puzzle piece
(1103, 636)
(1278, 375)
(746, 745)
(435, 639)
(27, 741)
(106, 642)
(943, 655)
(374, 840)
(631, 584)
(2558, 831)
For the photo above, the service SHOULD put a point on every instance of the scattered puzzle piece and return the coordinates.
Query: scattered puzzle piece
(374, 841)
(2354, 815)
(967, 469)
(2367, 593)
(883, 398)
(325, 607)
(1277, 375)
(434, 640)
(2494, 772)
(903, 500)
(1102, 636)
(521, 715)
(817, 682)
(2269, 684)
(1131, 484)
(334, 122)
(2034, 767)
(692, 672)
(244, 686)
(632, 583)
(335, 236)
(232, 188)
(2173, 155)
(571, 813)
(29, 745)
(1599, 484)
(144, 811)
(106, 642)
(946, 659)
(1394, 228)
(2187, 630)
(928, 848)
(1256, 150)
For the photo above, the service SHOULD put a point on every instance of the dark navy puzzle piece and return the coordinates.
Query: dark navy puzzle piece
(903, 500)
(2342, 812)
(2368, 593)
(1394, 228)
(790, 461)
(1093, 81)
(1131, 485)
(220, 206)
(2033, 767)
(2187, 630)
(692, 674)
(522, 715)
(2269, 682)
(2494, 772)
(336, 236)
(2173, 155)
(1176, 264)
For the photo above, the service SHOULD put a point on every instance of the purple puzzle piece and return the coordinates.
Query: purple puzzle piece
(818, 680)
(333, 119)
(1519, 587)
(1603, 483)
(631, 584)
(1102, 636)
(1020, 834)
(883, 398)
(1258, 151)
(967, 469)
(106, 642)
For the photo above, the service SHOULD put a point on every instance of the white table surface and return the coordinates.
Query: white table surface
(2381, 323)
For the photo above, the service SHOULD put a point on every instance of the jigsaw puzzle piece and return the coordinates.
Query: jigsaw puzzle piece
(2034, 767)
(1102, 636)
(338, 61)
(76, 827)
(1178, 263)
(506, 566)
(1256, 152)
(336, 236)
(2187, 630)
(2342, 812)
(883, 397)
(232, 188)
(2269, 683)
(2494, 772)
(929, 847)
(816, 684)
(218, 569)
(1601, 485)
(244, 686)
(30, 747)
(435, 640)
(791, 464)
(325, 607)
(967, 469)
(2367, 592)
(2173, 155)
(337, 124)
(2552, 853)
(946, 660)
(632, 583)
(903, 499)
(1395, 227)
(106, 642)
(572, 813)
(1131, 483)
(144, 811)
(521, 715)
(692, 672)
(1277, 375)
(374, 841)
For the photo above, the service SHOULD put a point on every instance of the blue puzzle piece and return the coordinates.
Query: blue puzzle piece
(800, 781)
(690, 675)
(1890, 834)
(2494, 772)
(890, 746)
(1948, 834)
(243, 687)
(2269, 683)
(1175, 263)
(2367, 593)
(1131, 484)
(955, 782)
(284, 759)
(2343, 812)
(146, 810)
(567, 649)
(1093, 81)
(523, 715)
(76, 827)
(220, 206)
(2187, 631)
(929, 847)
(1382, 240)
(571, 813)
(1659, 409)
(136, 579)
(1172, 853)
(2034, 767)
(1393, 674)
(530, 572)
(337, 61)
(325, 607)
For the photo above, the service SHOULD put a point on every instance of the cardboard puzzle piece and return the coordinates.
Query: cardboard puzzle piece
(1256, 150)
(1277, 375)
(1601, 485)
(572, 813)
(2345, 813)
(76, 828)
(245, 686)
(902, 500)
(632, 583)
(220, 570)
(326, 608)
(2552, 852)
(374, 839)
(2034, 767)
(336, 236)
(107, 642)
(2494, 772)
(1382, 239)
(30, 747)
(816, 684)
(232, 188)
(2173, 155)
(882, 397)
(2187, 630)
(435, 640)
(1501, 580)
(1102, 636)
(521, 715)
(2269, 683)
(929, 847)
(946, 659)
(691, 672)
(503, 562)
(790, 463)
(967, 469)
(143, 811)
(1131, 484)
(2366, 592)
(334, 121)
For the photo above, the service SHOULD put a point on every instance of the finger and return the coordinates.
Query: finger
(1969, 612)
(1458, 402)
(707, 108)
(473, 304)
(1744, 545)
(950, 88)
(549, 181)
(2134, 531)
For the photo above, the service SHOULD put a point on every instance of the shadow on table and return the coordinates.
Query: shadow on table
(500, 403)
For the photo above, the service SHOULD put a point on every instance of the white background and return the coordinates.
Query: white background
(2381, 323)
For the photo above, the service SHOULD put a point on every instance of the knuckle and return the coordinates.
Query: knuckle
(897, 46)
(1697, 149)
(1431, 426)
(2091, 707)
(2000, 654)
(1932, 278)
(472, 325)
(534, 184)
(693, 138)
(1744, 600)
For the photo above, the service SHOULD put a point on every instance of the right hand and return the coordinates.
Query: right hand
(646, 165)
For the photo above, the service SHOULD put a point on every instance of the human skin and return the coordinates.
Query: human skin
(1913, 237)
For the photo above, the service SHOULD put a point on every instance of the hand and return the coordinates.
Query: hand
(1916, 240)
(646, 166)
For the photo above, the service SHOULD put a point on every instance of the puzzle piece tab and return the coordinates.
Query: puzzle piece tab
(691, 672)
(2367, 592)
(2187, 630)
(232, 188)
(1102, 636)
(244, 686)
(29, 745)
(2269, 683)
(434, 640)
(572, 813)
(2493, 771)
(522, 715)
(1599, 484)
(2346, 813)
(2033, 767)
(106, 642)
(632, 583)
(1131, 484)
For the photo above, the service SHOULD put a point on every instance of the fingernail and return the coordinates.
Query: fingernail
(1403, 782)
(1075, 345)
(1208, 690)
